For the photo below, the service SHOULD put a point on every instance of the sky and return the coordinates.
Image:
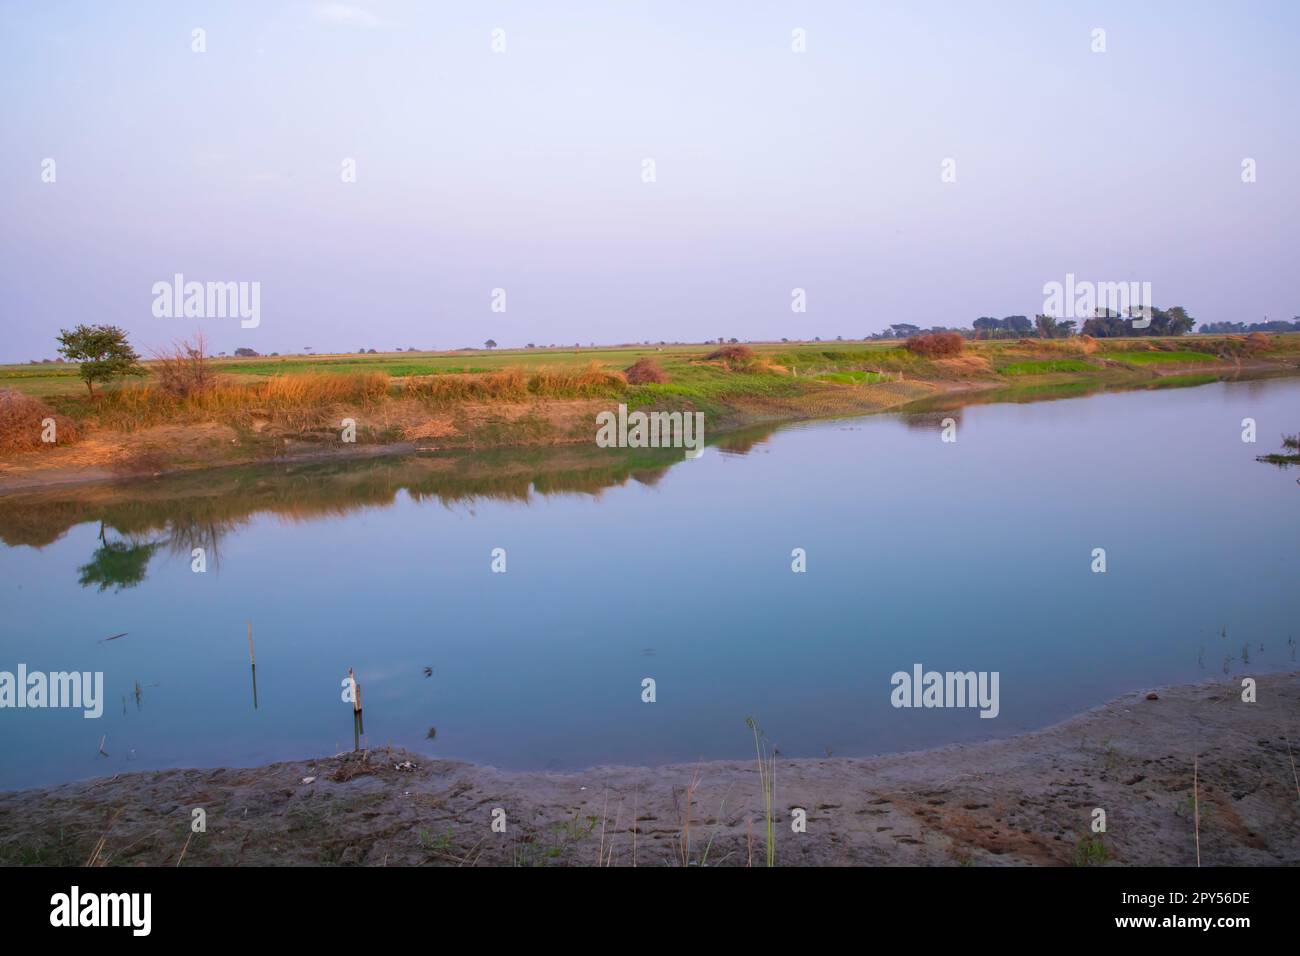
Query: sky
(524, 168)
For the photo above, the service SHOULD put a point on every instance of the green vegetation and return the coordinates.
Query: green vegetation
(1159, 358)
(766, 755)
(101, 352)
(276, 406)
(1046, 367)
(1090, 851)
(1289, 456)
(850, 378)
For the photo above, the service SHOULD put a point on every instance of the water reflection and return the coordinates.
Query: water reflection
(182, 513)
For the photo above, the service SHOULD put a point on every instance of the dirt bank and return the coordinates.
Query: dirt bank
(1026, 800)
(174, 449)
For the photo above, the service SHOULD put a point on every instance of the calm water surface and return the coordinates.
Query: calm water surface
(967, 556)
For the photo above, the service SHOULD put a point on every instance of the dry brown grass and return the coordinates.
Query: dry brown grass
(507, 386)
(590, 382)
(295, 400)
(936, 344)
(645, 371)
(513, 385)
(22, 423)
(732, 355)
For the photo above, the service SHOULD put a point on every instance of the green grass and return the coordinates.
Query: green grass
(850, 378)
(1160, 358)
(1046, 367)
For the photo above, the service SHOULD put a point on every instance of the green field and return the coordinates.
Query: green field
(1160, 358)
(1046, 367)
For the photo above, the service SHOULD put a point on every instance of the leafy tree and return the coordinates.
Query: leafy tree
(102, 353)
(490, 344)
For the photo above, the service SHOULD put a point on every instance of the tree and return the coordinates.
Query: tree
(102, 353)
(490, 344)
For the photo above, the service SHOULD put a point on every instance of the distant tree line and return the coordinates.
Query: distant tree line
(1278, 325)
(1108, 324)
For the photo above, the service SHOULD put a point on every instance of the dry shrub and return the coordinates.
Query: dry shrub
(183, 369)
(936, 344)
(731, 355)
(22, 422)
(1089, 344)
(1258, 342)
(645, 371)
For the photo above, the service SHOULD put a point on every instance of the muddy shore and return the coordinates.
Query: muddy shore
(1027, 800)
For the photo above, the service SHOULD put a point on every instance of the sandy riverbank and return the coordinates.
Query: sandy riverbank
(1025, 800)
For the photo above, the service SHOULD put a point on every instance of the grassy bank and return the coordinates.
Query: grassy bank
(295, 406)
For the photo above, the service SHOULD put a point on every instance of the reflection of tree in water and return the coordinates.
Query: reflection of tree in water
(117, 564)
(124, 563)
(192, 531)
(744, 441)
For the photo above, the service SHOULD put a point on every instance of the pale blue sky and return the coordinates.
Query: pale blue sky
(522, 170)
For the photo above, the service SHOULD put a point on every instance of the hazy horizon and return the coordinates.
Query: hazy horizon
(522, 170)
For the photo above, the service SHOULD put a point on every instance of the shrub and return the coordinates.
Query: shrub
(183, 370)
(646, 371)
(731, 354)
(22, 423)
(936, 344)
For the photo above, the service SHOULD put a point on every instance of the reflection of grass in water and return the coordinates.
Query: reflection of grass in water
(1291, 455)
(1184, 381)
(197, 509)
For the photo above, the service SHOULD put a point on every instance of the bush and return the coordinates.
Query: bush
(645, 371)
(22, 423)
(183, 370)
(733, 356)
(936, 344)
